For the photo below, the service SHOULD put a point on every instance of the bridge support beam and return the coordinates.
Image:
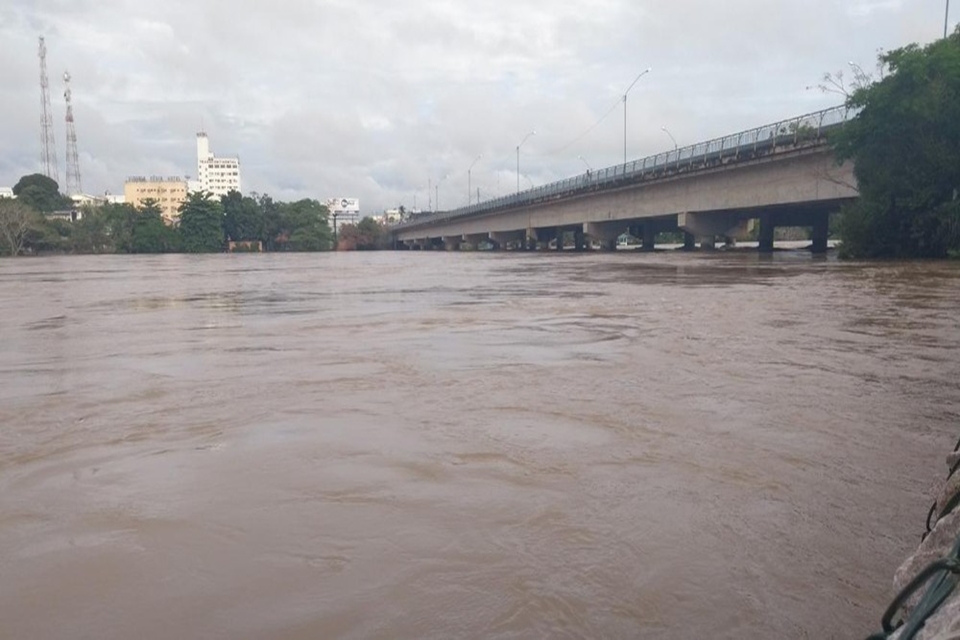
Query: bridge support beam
(649, 237)
(606, 233)
(503, 238)
(579, 243)
(821, 225)
(723, 223)
(766, 233)
(473, 240)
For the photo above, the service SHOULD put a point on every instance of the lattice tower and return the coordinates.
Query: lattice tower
(48, 147)
(73, 159)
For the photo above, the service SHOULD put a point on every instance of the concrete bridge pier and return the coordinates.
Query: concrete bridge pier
(451, 243)
(473, 240)
(821, 227)
(689, 241)
(502, 239)
(532, 240)
(766, 233)
(606, 233)
(649, 237)
(707, 226)
(579, 242)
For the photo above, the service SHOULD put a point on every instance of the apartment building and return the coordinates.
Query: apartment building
(169, 194)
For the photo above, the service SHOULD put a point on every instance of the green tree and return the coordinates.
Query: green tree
(91, 233)
(905, 145)
(150, 234)
(242, 217)
(201, 224)
(272, 231)
(41, 193)
(304, 227)
(118, 221)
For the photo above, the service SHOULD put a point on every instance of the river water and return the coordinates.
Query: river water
(440, 445)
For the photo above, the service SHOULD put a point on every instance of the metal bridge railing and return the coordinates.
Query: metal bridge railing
(809, 129)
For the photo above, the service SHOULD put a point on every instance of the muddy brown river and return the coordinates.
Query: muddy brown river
(472, 445)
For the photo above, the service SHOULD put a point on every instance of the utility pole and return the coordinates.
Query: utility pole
(48, 147)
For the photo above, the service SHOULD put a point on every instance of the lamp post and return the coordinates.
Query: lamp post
(664, 129)
(584, 160)
(642, 73)
(468, 178)
(532, 133)
(335, 214)
(946, 18)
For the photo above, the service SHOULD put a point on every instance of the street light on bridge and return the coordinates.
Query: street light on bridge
(532, 133)
(468, 178)
(584, 161)
(666, 131)
(635, 80)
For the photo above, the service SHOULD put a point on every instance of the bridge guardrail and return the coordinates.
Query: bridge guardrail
(764, 140)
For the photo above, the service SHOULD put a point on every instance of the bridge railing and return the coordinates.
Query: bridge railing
(808, 129)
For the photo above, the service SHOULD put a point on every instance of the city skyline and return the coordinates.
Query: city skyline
(393, 105)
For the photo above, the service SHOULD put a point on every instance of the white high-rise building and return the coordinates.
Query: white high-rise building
(219, 176)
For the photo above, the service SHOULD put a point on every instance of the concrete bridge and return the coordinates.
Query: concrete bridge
(781, 174)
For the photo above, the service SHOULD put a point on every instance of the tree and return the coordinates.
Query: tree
(304, 226)
(91, 233)
(41, 193)
(150, 234)
(366, 235)
(905, 144)
(242, 217)
(15, 223)
(201, 224)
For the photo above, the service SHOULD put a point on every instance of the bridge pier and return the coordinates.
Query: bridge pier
(579, 243)
(707, 226)
(451, 243)
(649, 237)
(766, 233)
(502, 239)
(473, 240)
(605, 233)
(821, 227)
(689, 241)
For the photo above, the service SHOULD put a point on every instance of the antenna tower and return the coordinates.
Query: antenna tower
(48, 148)
(73, 159)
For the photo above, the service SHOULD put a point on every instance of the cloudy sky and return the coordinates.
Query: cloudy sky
(377, 100)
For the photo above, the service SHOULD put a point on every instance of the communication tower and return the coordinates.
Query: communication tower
(48, 148)
(73, 159)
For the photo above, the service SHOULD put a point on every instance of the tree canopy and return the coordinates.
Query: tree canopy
(201, 224)
(41, 193)
(205, 224)
(905, 145)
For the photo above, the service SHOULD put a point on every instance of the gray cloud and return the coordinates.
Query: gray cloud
(373, 100)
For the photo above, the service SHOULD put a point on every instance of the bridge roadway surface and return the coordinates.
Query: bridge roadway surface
(782, 174)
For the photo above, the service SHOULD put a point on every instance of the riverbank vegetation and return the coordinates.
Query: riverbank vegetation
(30, 224)
(905, 145)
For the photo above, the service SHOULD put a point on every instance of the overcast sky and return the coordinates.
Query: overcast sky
(376, 99)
